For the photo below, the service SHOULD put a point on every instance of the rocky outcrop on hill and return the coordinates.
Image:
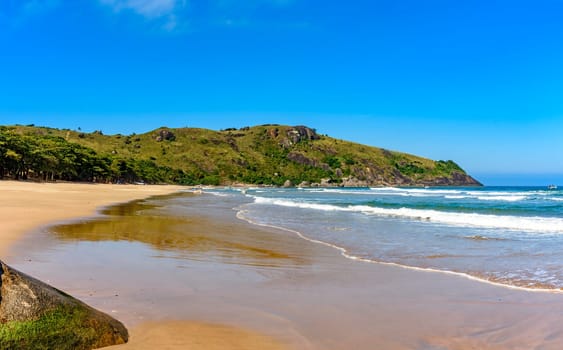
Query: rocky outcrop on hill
(297, 134)
(165, 135)
(35, 315)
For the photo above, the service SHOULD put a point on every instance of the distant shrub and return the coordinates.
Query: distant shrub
(332, 162)
(348, 159)
(447, 166)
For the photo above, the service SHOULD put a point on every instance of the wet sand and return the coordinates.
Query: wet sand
(27, 205)
(210, 281)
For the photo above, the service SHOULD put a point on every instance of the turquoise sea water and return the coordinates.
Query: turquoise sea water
(508, 235)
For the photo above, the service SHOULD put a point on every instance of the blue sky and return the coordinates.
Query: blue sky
(479, 82)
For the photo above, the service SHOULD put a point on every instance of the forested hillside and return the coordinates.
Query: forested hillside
(266, 155)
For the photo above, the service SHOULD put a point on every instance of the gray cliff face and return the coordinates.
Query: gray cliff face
(24, 298)
(457, 179)
(372, 179)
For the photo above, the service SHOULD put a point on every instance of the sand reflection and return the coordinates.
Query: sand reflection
(190, 236)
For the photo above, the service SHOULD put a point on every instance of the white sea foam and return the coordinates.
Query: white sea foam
(509, 198)
(491, 195)
(451, 193)
(515, 223)
(241, 214)
(456, 197)
(296, 204)
(424, 192)
(218, 194)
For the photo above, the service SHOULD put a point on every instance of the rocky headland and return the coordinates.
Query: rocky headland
(270, 155)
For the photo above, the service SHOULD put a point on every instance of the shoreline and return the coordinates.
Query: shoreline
(318, 299)
(344, 253)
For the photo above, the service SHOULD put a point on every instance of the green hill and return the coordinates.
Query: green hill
(266, 154)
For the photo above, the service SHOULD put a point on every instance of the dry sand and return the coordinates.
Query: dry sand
(272, 290)
(26, 205)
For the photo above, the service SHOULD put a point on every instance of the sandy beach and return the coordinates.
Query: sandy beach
(250, 287)
(26, 205)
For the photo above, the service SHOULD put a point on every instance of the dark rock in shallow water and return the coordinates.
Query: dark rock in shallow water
(34, 315)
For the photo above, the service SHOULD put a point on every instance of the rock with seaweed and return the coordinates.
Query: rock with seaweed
(35, 315)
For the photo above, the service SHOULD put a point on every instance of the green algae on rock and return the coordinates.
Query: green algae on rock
(34, 315)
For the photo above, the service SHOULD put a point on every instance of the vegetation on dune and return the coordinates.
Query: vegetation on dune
(266, 154)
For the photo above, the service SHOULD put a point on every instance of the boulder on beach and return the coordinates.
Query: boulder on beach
(288, 183)
(34, 315)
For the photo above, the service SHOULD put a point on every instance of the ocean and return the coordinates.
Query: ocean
(506, 235)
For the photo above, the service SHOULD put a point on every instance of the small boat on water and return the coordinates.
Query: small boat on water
(551, 187)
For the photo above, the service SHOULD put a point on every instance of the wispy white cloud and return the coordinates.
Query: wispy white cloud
(172, 15)
(146, 8)
(165, 11)
(253, 3)
(169, 15)
(171, 23)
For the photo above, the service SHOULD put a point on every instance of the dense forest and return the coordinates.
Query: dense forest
(266, 155)
(48, 158)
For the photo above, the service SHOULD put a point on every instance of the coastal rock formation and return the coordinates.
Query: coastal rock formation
(296, 135)
(351, 181)
(165, 135)
(299, 158)
(35, 315)
(457, 179)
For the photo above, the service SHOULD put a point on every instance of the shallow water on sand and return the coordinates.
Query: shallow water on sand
(507, 235)
(186, 257)
(155, 253)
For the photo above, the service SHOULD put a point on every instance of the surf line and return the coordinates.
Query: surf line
(241, 215)
(532, 224)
